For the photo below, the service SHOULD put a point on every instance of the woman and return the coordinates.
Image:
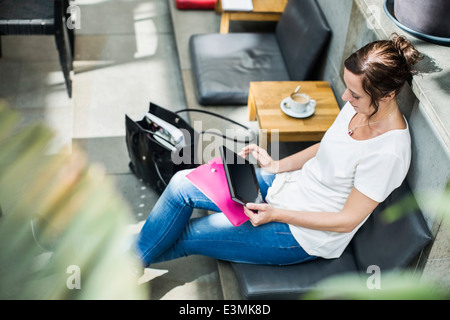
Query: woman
(316, 199)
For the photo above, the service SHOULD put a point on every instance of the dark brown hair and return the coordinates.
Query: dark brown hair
(384, 65)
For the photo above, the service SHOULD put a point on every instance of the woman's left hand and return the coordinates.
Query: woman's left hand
(264, 213)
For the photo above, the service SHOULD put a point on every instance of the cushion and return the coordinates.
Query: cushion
(302, 34)
(27, 17)
(387, 245)
(289, 282)
(392, 245)
(223, 65)
(195, 4)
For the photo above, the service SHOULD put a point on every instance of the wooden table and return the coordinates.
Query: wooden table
(264, 104)
(263, 10)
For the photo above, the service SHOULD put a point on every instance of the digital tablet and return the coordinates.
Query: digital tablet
(241, 177)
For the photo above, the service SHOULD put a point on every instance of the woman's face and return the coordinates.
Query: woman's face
(355, 94)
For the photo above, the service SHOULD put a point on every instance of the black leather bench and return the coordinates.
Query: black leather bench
(223, 65)
(389, 246)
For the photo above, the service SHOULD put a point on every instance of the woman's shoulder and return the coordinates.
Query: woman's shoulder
(394, 143)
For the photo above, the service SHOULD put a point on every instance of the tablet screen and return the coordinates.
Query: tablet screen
(241, 177)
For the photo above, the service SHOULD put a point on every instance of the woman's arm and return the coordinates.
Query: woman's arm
(356, 209)
(293, 162)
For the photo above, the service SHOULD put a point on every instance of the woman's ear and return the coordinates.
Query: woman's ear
(389, 96)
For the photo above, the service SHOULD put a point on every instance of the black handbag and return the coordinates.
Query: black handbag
(153, 157)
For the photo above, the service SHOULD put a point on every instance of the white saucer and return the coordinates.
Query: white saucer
(307, 113)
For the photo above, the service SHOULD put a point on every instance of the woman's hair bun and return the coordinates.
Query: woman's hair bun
(406, 49)
(384, 65)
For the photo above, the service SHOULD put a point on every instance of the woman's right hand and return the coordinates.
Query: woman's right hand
(264, 160)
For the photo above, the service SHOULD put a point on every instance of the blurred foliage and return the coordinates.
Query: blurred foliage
(438, 202)
(62, 225)
(394, 285)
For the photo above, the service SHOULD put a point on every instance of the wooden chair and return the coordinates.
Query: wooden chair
(41, 17)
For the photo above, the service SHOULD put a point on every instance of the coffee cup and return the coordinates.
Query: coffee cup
(298, 102)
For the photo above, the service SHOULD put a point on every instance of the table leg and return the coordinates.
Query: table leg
(270, 141)
(251, 106)
(263, 138)
(218, 7)
(274, 147)
(225, 22)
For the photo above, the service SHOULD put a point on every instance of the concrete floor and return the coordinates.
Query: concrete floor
(125, 56)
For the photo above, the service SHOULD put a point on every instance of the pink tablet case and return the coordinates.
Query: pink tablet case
(211, 180)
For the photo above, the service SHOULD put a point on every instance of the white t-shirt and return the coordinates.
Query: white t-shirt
(375, 167)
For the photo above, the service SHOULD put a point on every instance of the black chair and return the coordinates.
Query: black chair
(223, 65)
(41, 17)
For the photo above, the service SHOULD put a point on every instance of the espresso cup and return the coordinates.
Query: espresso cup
(298, 102)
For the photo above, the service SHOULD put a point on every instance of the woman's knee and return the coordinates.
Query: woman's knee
(179, 185)
(179, 176)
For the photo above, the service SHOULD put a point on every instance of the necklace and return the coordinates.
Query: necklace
(351, 131)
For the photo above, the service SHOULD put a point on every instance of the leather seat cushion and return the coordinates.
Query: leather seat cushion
(392, 245)
(387, 245)
(224, 64)
(289, 282)
(27, 17)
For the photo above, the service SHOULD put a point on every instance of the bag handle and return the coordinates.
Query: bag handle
(152, 134)
(141, 129)
(252, 132)
(157, 171)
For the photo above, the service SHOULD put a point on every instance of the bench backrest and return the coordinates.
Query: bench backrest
(302, 34)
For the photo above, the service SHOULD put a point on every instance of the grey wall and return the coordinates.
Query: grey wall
(338, 14)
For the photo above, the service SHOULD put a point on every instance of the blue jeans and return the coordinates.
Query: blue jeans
(170, 233)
